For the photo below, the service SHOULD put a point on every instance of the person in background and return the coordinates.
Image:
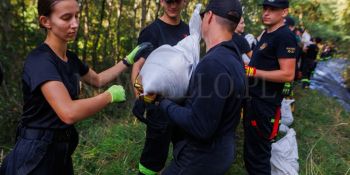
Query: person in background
(273, 64)
(290, 22)
(305, 38)
(46, 136)
(287, 91)
(168, 29)
(241, 42)
(328, 52)
(309, 61)
(298, 34)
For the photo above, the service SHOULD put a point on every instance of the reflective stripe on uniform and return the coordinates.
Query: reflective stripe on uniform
(145, 170)
(305, 80)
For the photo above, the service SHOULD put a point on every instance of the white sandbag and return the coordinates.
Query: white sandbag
(251, 39)
(283, 128)
(284, 155)
(167, 70)
(286, 112)
(246, 59)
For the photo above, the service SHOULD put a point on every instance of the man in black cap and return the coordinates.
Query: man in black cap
(273, 64)
(168, 29)
(211, 112)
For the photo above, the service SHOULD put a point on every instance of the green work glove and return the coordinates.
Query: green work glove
(117, 92)
(134, 55)
(287, 89)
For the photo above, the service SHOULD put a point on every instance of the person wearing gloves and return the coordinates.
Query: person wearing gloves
(46, 136)
(168, 29)
(273, 64)
(211, 112)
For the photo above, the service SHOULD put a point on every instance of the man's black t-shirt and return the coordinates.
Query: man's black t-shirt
(241, 43)
(312, 51)
(159, 33)
(43, 65)
(280, 44)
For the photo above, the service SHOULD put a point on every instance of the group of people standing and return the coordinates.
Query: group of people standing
(311, 50)
(201, 128)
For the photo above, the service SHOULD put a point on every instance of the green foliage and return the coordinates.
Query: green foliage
(116, 152)
(114, 146)
(322, 132)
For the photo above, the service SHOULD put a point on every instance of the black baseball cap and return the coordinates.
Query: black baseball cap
(276, 3)
(289, 21)
(171, 1)
(229, 9)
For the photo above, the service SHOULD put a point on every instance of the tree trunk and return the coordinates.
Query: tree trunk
(80, 30)
(158, 9)
(143, 12)
(118, 28)
(97, 39)
(107, 38)
(86, 29)
(24, 28)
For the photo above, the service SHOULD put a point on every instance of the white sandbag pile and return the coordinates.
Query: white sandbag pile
(284, 155)
(167, 70)
(286, 115)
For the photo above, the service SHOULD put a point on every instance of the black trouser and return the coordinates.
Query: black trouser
(159, 134)
(213, 158)
(41, 151)
(307, 67)
(257, 145)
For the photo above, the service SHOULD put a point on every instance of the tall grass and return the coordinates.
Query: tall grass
(113, 146)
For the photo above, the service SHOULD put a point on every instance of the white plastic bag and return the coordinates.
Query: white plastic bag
(251, 39)
(284, 155)
(167, 70)
(245, 58)
(283, 128)
(286, 112)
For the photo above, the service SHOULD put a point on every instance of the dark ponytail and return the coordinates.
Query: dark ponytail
(45, 7)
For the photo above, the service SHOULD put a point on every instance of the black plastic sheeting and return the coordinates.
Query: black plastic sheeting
(328, 79)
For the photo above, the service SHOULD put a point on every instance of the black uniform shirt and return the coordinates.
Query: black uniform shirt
(271, 47)
(241, 43)
(312, 51)
(43, 65)
(160, 33)
(215, 93)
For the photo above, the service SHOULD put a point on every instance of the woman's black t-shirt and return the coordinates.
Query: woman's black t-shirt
(43, 65)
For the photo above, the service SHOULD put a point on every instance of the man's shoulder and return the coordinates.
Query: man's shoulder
(150, 27)
(285, 33)
(223, 54)
(183, 24)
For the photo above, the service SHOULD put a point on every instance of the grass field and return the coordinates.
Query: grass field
(113, 146)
